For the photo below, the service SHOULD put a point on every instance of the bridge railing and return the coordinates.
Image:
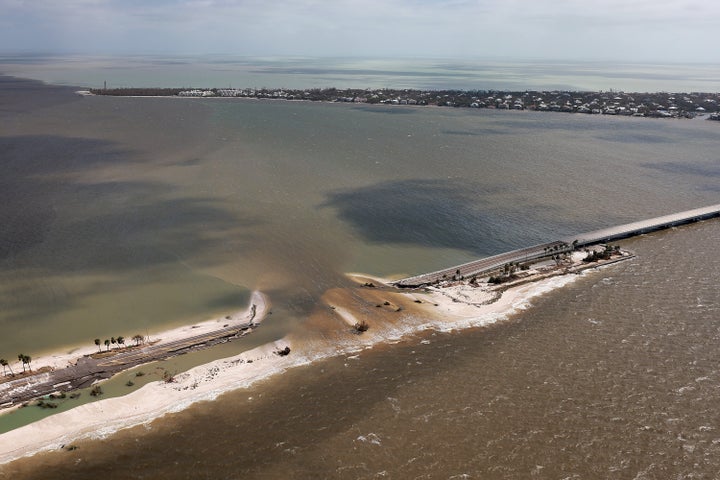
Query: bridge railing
(487, 264)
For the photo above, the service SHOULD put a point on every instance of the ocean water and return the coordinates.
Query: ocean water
(613, 376)
(479, 73)
(125, 214)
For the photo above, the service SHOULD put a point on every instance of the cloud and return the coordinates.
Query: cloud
(520, 28)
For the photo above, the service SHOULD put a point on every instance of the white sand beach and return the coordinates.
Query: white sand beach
(153, 400)
(452, 307)
(62, 359)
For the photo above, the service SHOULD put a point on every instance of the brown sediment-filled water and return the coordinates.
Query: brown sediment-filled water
(612, 376)
(125, 214)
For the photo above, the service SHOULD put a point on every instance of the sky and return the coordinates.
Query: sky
(618, 30)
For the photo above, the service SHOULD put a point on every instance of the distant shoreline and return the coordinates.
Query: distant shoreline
(653, 105)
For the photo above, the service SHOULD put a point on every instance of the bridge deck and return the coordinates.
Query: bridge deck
(489, 264)
(645, 226)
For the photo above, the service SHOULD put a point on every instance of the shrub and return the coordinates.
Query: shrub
(361, 326)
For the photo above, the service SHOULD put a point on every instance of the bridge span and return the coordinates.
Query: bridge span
(490, 264)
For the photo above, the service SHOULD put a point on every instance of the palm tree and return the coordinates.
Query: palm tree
(138, 338)
(107, 344)
(112, 340)
(97, 342)
(120, 340)
(4, 364)
(25, 359)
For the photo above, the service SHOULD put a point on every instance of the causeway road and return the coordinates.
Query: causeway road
(88, 370)
(489, 264)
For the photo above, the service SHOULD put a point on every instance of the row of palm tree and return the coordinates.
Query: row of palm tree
(561, 247)
(119, 341)
(25, 359)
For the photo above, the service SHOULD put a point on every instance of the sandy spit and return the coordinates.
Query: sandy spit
(442, 309)
(153, 400)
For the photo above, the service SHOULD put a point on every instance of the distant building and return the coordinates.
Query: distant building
(196, 93)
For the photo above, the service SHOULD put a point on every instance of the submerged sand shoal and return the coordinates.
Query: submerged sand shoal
(453, 307)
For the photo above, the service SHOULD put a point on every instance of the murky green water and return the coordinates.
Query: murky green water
(129, 214)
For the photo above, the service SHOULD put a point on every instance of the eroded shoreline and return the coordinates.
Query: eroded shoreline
(454, 306)
(60, 373)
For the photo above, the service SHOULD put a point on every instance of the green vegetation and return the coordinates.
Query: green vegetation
(283, 352)
(498, 280)
(5, 365)
(120, 341)
(138, 92)
(595, 256)
(562, 247)
(658, 104)
(361, 326)
(25, 359)
(507, 274)
(168, 377)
